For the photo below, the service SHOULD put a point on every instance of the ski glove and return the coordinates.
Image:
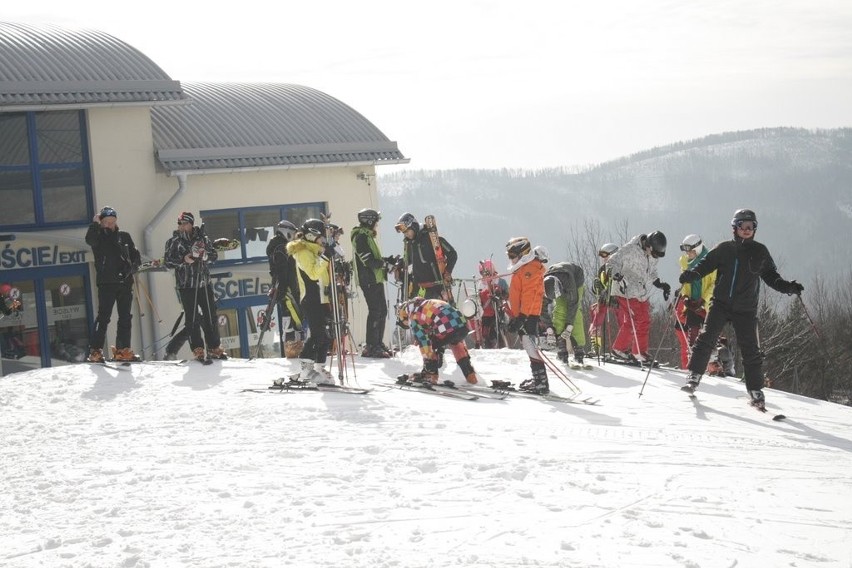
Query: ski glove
(688, 276)
(617, 277)
(667, 290)
(516, 323)
(794, 287)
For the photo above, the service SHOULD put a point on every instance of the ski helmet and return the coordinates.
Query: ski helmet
(742, 215)
(692, 242)
(541, 254)
(407, 221)
(286, 229)
(404, 311)
(657, 241)
(607, 249)
(518, 247)
(369, 217)
(486, 268)
(108, 212)
(186, 217)
(313, 229)
(334, 230)
(552, 287)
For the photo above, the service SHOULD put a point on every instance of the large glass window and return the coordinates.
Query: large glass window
(44, 169)
(254, 227)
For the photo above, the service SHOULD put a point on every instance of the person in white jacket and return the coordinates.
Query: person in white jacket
(633, 269)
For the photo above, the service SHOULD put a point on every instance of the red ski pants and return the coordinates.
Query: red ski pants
(637, 317)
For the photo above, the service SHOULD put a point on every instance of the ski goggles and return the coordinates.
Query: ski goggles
(603, 254)
(687, 248)
(401, 227)
(747, 225)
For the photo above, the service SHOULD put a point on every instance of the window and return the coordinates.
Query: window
(254, 227)
(44, 169)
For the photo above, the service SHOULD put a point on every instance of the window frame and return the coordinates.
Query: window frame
(35, 169)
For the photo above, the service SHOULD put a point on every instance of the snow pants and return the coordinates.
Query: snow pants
(110, 295)
(745, 326)
(632, 314)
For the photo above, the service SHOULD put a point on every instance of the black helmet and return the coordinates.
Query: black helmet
(741, 215)
(369, 217)
(407, 221)
(657, 242)
(334, 230)
(552, 287)
(518, 247)
(312, 229)
(286, 229)
(108, 212)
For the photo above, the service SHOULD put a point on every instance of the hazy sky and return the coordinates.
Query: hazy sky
(492, 84)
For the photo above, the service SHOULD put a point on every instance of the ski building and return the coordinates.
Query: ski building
(87, 121)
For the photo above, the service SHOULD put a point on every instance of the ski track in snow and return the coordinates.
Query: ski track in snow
(174, 466)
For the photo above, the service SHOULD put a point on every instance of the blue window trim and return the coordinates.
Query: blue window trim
(35, 168)
(241, 212)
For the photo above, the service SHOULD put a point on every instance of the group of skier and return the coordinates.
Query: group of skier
(717, 286)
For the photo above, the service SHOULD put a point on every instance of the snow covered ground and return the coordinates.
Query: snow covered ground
(175, 466)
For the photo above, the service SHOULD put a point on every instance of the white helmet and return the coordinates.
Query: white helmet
(541, 254)
(607, 250)
(692, 242)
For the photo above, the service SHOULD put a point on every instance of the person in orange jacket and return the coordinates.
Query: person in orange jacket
(526, 290)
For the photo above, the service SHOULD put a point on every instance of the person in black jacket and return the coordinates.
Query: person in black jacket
(370, 268)
(740, 264)
(425, 279)
(282, 268)
(189, 252)
(116, 259)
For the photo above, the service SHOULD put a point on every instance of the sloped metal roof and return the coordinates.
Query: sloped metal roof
(264, 125)
(47, 65)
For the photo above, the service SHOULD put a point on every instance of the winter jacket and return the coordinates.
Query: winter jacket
(638, 269)
(739, 266)
(571, 277)
(314, 278)
(116, 257)
(435, 323)
(367, 258)
(282, 267)
(526, 288)
(420, 256)
(493, 289)
(197, 274)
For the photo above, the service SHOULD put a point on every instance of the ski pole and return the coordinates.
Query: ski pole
(814, 327)
(141, 286)
(557, 371)
(657, 352)
(136, 297)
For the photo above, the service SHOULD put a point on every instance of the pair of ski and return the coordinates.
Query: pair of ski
(125, 365)
(293, 385)
(760, 408)
(158, 264)
(497, 390)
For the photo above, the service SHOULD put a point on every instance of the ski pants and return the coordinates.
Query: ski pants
(634, 316)
(319, 326)
(110, 295)
(193, 300)
(745, 326)
(377, 312)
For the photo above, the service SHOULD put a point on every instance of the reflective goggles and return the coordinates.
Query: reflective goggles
(687, 248)
(401, 227)
(746, 225)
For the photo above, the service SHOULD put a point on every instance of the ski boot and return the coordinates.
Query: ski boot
(217, 353)
(199, 354)
(96, 356)
(691, 383)
(757, 400)
(623, 356)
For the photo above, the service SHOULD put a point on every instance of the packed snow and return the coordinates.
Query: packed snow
(173, 465)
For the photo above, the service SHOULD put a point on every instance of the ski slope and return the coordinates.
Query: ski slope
(164, 465)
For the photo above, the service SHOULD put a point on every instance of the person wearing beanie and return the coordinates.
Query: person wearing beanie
(189, 252)
(116, 260)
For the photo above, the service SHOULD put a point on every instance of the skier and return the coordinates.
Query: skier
(634, 269)
(371, 273)
(740, 264)
(282, 268)
(564, 286)
(693, 298)
(312, 256)
(526, 290)
(426, 280)
(601, 289)
(492, 295)
(436, 324)
(8, 304)
(189, 252)
(11, 344)
(116, 259)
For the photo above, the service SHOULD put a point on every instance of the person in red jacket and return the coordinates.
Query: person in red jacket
(491, 296)
(526, 290)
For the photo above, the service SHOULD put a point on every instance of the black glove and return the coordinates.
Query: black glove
(617, 277)
(667, 290)
(597, 287)
(688, 276)
(516, 323)
(794, 287)
(329, 251)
